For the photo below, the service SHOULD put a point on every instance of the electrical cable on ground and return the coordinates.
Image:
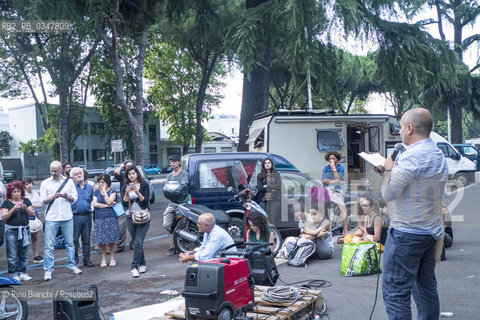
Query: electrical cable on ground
(282, 294)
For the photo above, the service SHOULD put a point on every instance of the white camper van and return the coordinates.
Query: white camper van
(304, 137)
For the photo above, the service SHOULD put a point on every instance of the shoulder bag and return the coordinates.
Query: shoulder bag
(140, 216)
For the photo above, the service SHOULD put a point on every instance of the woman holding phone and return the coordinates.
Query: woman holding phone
(15, 212)
(135, 197)
(106, 227)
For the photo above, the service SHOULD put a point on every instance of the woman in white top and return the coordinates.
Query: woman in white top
(34, 198)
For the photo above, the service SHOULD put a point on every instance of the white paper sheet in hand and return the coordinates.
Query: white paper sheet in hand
(375, 159)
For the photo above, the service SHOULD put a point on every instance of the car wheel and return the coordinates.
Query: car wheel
(463, 178)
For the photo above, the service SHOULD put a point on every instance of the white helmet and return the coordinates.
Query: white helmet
(35, 225)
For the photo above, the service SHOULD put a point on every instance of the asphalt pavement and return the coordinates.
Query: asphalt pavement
(346, 298)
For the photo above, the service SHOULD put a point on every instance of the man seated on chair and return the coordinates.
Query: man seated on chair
(215, 239)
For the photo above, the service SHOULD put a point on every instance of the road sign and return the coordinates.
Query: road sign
(117, 145)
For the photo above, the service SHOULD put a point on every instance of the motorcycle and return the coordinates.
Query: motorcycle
(11, 307)
(184, 227)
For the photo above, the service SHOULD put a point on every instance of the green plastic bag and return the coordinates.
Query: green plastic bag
(360, 259)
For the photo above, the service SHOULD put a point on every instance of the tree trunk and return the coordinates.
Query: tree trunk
(256, 90)
(456, 118)
(63, 124)
(254, 100)
(135, 123)
(206, 73)
(456, 99)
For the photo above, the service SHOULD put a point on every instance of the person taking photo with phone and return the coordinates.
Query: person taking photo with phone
(136, 195)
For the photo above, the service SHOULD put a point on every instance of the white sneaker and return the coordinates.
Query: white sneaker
(47, 276)
(75, 270)
(142, 269)
(135, 273)
(16, 277)
(25, 277)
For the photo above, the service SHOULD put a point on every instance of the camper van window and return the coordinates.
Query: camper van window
(373, 139)
(330, 140)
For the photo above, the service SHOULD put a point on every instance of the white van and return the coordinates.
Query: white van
(459, 167)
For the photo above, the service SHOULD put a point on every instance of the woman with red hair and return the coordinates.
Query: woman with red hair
(15, 211)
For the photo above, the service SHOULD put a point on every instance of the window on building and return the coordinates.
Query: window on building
(152, 133)
(329, 140)
(153, 158)
(97, 128)
(78, 155)
(210, 149)
(110, 155)
(226, 149)
(99, 154)
(153, 148)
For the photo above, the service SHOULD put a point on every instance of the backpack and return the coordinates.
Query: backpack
(302, 250)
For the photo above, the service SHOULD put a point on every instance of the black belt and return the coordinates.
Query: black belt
(82, 213)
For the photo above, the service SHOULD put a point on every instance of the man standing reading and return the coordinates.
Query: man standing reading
(413, 185)
(58, 215)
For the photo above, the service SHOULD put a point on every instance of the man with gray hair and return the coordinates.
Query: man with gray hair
(82, 215)
(58, 193)
(215, 239)
(413, 185)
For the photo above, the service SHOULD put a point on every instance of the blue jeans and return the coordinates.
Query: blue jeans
(51, 229)
(17, 254)
(138, 233)
(82, 226)
(409, 268)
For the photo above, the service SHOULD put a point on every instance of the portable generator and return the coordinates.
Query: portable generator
(218, 289)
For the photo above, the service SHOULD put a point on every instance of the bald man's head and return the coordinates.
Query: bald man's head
(421, 119)
(56, 169)
(206, 222)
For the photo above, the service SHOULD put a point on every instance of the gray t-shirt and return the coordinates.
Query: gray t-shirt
(181, 177)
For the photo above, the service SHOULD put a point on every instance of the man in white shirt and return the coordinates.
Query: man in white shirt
(215, 239)
(58, 215)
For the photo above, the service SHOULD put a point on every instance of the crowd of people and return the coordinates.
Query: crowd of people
(75, 207)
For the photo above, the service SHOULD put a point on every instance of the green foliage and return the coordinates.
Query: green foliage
(5, 143)
(176, 80)
(49, 142)
(105, 92)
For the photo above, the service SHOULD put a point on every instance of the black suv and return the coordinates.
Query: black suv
(211, 174)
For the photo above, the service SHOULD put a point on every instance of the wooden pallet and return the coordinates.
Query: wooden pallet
(309, 300)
